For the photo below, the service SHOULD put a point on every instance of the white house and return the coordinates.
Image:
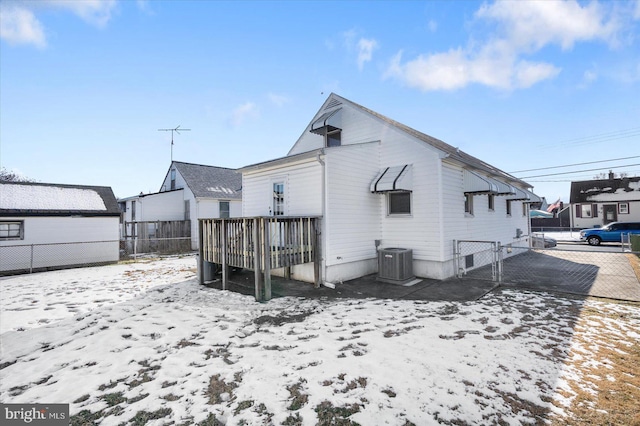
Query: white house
(188, 192)
(45, 226)
(377, 183)
(597, 202)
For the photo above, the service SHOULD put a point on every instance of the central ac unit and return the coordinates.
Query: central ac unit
(395, 265)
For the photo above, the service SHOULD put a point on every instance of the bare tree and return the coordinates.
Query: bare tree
(11, 176)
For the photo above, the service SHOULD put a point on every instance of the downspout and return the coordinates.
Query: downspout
(323, 228)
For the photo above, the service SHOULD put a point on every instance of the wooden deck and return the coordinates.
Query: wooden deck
(260, 244)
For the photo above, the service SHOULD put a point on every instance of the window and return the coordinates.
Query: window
(491, 199)
(468, 204)
(187, 209)
(586, 210)
(133, 210)
(278, 199)
(12, 230)
(224, 210)
(399, 202)
(333, 138)
(623, 208)
(173, 179)
(524, 209)
(508, 208)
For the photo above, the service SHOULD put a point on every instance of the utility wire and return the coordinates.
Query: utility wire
(601, 137)
(580, 171)
(576, 164)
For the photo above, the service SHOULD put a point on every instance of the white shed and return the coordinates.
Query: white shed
(47, 226)
(377, 183)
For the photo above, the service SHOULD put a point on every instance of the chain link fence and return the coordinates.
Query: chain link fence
(29, 258)
(592, 272)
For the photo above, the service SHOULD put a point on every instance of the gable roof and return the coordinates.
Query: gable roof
(452, 152)
(621, 189)
(50, 199)
(210, 181)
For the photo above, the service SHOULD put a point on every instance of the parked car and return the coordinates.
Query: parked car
(542, 241)
(611, 233)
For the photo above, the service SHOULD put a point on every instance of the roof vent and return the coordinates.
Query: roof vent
(333, 103)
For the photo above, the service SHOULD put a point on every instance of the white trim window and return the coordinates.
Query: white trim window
(399, 203)
(224, 210)
(491, 200)
(12, 230)
(623, 208)
(278, 199)
(468, 204)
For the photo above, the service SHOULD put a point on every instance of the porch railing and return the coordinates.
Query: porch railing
(260, 244)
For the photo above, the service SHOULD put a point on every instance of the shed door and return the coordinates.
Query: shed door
(610, 213)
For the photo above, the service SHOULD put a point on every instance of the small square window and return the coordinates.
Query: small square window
(12, 230)
(399, 202)
(623, 208)
(334, 138)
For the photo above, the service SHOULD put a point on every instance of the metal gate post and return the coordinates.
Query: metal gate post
(456, 260)
(31, 262)
(494, 262)
(500, 263)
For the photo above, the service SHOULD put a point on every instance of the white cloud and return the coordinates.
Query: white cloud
(243, 112)
(432, 26)
(589, 77)
(636, 13)
(278, 100)
(20, 26)
(95, 12)
(519, 29)
(365, 51)
(535, 24)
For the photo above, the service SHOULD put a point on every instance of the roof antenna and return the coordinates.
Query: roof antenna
(177, 130)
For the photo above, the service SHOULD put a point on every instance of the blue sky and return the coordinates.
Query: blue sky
(85, 85)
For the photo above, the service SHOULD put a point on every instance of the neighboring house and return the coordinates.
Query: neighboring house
(45, 226)
(376, 183)
(189, 192)
(597, 202)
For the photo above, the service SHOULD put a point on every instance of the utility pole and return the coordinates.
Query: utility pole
(177, 130)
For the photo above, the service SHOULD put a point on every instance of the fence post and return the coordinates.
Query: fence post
(267, 261)
(31, 261)
(200, 252)
(498, 260)
(225, 272)
(316, 253)
(257, 268)
(456, 260)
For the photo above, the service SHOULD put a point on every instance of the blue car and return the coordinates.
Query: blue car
(611, 233)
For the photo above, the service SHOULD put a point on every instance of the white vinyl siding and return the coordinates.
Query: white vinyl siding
(352, 221)
(303, 190)
(484, 225)
(102, 234)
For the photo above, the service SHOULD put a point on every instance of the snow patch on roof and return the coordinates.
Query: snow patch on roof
(219, 189)
(36, 197)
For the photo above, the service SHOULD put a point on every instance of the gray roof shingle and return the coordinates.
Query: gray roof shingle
(211, 181)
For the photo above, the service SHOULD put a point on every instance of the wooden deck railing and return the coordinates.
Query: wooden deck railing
(260, 244)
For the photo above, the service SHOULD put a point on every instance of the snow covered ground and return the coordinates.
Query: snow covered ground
(144, 343)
